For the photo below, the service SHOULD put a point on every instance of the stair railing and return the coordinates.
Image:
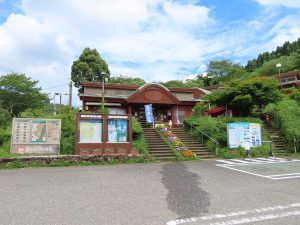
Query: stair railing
(271, 153)
(203, 134)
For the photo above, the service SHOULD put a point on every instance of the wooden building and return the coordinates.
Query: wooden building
(289, 79)
(169, 104)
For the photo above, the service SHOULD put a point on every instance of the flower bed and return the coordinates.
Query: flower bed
(176, 142)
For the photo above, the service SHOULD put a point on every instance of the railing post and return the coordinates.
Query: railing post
(295, 147)
(202, 137)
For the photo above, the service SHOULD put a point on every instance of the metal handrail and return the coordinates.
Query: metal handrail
(203, 133)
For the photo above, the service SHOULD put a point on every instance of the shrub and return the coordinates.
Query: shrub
(136, 129)
(286, 117)
(140, 144)
(216, 128)
(68, 124)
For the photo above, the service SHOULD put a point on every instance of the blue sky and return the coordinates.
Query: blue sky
(156, 40)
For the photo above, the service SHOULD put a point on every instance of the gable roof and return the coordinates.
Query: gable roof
(153, 93)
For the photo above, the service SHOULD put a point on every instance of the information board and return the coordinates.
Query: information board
(35, 136)
(90, 131)
(117, 131)
(243, 134)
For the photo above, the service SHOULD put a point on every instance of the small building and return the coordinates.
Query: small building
(169, 104)
(289, 79)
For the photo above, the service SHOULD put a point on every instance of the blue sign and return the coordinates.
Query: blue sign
(149, 113)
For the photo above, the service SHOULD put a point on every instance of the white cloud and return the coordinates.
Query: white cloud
(156, 40)
(287, 29)
(187, 15)
(286, 3)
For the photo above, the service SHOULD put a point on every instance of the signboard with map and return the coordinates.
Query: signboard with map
(90, 131)
(35, 136)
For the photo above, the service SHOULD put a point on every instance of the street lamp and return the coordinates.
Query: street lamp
(103, 74)
(278, 65)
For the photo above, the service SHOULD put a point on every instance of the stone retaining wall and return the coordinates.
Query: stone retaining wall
(73, 158)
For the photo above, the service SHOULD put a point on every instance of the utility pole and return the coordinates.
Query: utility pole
(54, 105)
(70, 94)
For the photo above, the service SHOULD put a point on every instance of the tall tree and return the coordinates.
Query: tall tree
(88, 67)
(224, 70)
(18, 93)
(246, 95)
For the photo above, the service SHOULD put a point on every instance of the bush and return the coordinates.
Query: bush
(136, 129)
(68, 124)
(140, 144)
(216, 128)
(286, 117)
(5, 134)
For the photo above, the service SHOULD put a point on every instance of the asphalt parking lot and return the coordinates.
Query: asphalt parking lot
(194, 192)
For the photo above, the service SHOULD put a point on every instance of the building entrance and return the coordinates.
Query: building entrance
(161, 114)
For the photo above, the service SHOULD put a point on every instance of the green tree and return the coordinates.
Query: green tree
(246, 95)
(18, 93)
(127, 80)
(198, 81)
(224, 70)
(88, 67)
(174, 84)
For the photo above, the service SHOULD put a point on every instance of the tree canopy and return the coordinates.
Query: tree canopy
(19, 93)
(127, 80)
(248, 95)
(224, 70)
(88, 67)
(285, 50)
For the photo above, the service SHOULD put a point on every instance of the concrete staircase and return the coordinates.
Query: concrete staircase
(279, 142)
(156, 144)
(192, 144)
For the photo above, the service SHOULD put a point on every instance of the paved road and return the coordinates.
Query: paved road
(158, 193)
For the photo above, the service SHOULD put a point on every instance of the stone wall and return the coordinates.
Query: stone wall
(73, 159)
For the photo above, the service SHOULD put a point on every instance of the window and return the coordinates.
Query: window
(181, 116)
(117, 111)
(90, 131)
(117, 131)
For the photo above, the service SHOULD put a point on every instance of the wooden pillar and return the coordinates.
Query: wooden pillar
(173, 116)
(129, 109)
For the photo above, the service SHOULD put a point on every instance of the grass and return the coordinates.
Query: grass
(140, 144)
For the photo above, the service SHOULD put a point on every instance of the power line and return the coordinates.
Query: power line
(60, 85)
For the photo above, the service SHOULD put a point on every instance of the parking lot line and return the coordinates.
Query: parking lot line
(278, 170)
(243, 213)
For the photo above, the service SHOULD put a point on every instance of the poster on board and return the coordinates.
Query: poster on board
(90, 131)
(117, 130)
(243, 134)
